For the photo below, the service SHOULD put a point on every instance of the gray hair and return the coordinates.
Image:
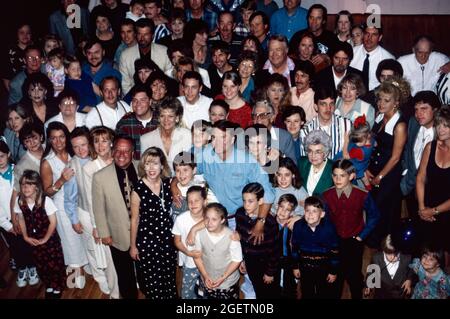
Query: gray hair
(265, 103)
(317, 137)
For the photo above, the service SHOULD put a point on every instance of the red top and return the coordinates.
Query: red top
(241, 116)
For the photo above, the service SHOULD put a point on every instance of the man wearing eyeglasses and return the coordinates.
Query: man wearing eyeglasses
(33, 64)
(263, 113)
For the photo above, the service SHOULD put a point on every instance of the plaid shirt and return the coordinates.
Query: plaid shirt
(130, 126)
(241, 30)
(210, 17)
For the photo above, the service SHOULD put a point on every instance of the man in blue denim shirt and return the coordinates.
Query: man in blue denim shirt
(227, 169)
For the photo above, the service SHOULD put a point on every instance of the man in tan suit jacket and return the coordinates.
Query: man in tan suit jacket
(143, 49)
(112, 215)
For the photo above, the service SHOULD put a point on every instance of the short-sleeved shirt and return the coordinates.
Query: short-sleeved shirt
(50, 208)
(182, 226)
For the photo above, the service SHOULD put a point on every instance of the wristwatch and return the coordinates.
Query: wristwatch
(435, 210)
(261, 219)
(56, 189)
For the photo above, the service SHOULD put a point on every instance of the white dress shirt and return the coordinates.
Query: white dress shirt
(313, 179)
(337, 80)
(181, 142)
(80, 119)
(424, 136)
(375, 57)
(391, 267)
(102, 114)
(422, 77)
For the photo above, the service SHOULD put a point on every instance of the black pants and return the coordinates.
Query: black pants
(412, 205)
(289, 288)
(314, 284)
(350, 257)
(256, 266)
(388, 200)
(19, 250)
(125, 273)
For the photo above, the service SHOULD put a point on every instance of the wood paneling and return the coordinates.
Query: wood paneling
(400, 31)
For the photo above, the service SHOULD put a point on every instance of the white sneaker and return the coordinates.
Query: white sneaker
(22, 278)
(104, 287)
(33, 277)
(80, 282)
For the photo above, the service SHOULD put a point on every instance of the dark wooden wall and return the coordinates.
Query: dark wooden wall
(400, 31)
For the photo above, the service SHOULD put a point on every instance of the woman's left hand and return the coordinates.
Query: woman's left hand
(43, 241)
(268, 279)
(376, 181)
(273, 154)
(427, 214)
(331, 278)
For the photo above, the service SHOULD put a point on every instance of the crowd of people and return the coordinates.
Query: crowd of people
(241, 144)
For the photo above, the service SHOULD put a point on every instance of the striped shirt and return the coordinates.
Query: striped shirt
(160, 32)
(337, 130)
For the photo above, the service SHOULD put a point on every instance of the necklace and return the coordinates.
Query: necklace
(161, 193)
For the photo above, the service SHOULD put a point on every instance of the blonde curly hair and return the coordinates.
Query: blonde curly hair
(398, 87)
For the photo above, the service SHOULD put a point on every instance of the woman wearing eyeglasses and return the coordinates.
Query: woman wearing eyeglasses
(315, 169)
(247, 66)
(68, 115)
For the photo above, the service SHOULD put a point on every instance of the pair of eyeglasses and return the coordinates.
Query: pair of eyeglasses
(34, 58)
(314, 153)
(262, 116)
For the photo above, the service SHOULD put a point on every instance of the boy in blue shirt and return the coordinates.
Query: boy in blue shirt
(315, 248)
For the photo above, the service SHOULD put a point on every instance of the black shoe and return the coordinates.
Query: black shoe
(56, 296)
(48, 295)
(2, 283)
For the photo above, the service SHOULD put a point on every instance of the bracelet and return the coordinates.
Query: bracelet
(54, 188)
(436, 211)
(380, 177)
(261, 219)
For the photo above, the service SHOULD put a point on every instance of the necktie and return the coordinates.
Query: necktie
(365, 71)
(422, 67)
(285, 239)
(127, 187)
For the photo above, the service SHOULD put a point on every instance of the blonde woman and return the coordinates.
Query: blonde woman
(99, 255)
(152, 245)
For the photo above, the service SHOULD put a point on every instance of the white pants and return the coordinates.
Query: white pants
(99, 257)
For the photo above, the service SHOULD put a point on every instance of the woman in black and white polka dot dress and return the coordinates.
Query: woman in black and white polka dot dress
(151, 228)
